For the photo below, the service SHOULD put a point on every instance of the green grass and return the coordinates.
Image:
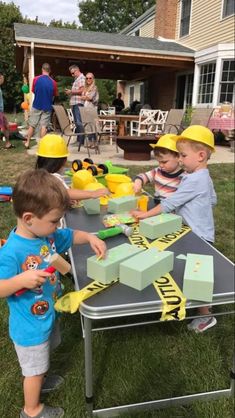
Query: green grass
(137, 364)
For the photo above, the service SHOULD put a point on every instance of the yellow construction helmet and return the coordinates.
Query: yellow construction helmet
(52, 146)
(167, 141)
(199, 133)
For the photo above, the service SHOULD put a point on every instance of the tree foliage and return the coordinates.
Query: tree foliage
(111, 15)
(9, 13)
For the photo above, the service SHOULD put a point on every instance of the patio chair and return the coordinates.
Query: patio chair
(88, 118)
(108, 126)
(174, 122)
(201, 116)
(151, 121)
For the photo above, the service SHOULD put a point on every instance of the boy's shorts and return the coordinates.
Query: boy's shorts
(39, 117)
(35, 360)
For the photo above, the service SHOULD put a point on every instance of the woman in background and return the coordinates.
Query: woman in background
(90, 96)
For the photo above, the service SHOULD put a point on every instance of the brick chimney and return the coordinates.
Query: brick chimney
(165, 18)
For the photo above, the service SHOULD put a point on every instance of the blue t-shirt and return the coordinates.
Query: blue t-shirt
(44, 88)
(32, 314)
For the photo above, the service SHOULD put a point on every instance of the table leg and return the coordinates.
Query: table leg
(121, 128)
(88, 364)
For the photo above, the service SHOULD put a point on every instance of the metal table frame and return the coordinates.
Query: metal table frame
(92, 312)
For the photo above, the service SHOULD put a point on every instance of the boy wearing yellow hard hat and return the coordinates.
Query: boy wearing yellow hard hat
(167, 176)
(52, 155)
(195, 197)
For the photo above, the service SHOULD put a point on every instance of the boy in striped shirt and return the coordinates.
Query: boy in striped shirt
(166, 177)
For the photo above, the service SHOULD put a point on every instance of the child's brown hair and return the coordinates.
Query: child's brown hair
(158, 151)
(39, 192)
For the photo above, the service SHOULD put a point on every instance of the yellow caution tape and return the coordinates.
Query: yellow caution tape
(166, 240)
(137, 239)
(71, 301)
(173, 300)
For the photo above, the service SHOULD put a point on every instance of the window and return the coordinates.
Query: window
(142, 93)
(228, 9)
(185, 17)
(227, 83)
(131, 94)
(188, 90)
(206, 83)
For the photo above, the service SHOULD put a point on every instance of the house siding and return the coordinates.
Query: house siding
(206, 13)
(148, 29)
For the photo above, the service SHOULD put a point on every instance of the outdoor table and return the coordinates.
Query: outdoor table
(119, 301)
(136, 148)
(222, 124)
(122, 120)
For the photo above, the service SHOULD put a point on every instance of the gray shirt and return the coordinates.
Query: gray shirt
(193, 201)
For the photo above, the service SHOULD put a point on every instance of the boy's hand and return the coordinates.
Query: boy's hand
(137, 186)
(97, 245)
(100, 193)
(138, 214)
(31, 279)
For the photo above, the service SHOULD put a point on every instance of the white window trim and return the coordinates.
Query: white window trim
(186, 73)
(218, 53)
(221, 13)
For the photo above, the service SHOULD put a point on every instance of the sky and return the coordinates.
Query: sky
(47, 10)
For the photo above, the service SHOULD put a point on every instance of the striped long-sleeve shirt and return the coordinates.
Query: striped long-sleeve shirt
(164, 183)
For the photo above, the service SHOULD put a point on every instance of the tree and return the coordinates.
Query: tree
(60, 24)
(111, 15)
(9, 13)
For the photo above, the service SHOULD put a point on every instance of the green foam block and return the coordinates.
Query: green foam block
(92, 206)
(122, 204)
(160, 225)
(199, 277)
(141, 270)
(106, 270)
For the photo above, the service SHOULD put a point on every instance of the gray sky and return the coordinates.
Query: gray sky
(46, 10)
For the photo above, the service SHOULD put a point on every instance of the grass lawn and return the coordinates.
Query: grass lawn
(132, 365)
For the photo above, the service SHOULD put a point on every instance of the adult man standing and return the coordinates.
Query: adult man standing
(75, 98)
(45, 89)
(118, 103)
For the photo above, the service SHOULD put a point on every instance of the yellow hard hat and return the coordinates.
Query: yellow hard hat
(167, 141)
(124, 189)
(81, 178)
(93, 186)
(52, 146)
(199, 133)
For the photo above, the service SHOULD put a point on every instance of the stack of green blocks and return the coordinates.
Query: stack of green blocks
(199, 277)
(92, 206)
(160, 225)
(141, 270)
(106, 270)
(122, 204)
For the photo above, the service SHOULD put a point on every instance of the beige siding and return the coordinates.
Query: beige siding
(207, 28)
(148, 29)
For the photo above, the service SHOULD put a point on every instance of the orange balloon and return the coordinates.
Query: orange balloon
(24, 106)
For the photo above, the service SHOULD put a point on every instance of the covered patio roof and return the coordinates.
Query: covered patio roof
(108, 55)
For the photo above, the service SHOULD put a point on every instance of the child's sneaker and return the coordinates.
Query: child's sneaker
(52, 382)
(202, 324)
(46, 412)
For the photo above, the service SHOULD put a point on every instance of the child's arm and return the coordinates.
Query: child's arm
(142, 215)
(76, 194)
(82, 237)
(29, 279)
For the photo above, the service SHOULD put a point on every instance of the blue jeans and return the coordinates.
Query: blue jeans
(78, 122)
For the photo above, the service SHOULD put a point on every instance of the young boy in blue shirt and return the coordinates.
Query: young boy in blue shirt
(195, 197)
(39, 201)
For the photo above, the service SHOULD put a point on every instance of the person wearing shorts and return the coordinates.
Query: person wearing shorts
(4, 126)
(44, 89)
